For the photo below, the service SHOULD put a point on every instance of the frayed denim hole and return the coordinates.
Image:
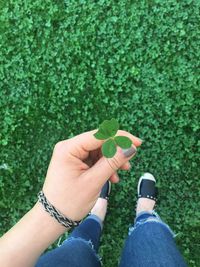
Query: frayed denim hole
(164, 224)
(133, 228)
(150, 220)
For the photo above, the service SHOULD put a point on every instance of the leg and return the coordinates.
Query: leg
(150, 242)
(81, 248)
(90, 229)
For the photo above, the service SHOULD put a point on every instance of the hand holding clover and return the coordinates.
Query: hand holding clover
(73, 185)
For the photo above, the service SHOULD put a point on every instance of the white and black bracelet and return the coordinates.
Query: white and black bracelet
(56, 213)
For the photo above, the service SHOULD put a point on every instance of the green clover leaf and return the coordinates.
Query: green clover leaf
(107, 131)
(101, 135)
(109, 148)
(123, 141)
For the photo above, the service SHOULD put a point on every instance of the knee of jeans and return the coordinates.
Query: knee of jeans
(151, 219)
(87, 242)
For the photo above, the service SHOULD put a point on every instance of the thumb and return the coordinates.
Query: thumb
(101, 171)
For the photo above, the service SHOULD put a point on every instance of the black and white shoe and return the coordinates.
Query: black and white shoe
(105, 191)
(147, 187)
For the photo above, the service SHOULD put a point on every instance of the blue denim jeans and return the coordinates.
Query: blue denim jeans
(150, 243)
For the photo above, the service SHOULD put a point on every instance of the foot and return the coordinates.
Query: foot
(100, 208)
(146, 204)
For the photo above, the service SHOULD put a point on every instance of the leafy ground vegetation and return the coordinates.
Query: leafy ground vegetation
(65, 66)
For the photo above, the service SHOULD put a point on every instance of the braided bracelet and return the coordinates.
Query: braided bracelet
(55, 213)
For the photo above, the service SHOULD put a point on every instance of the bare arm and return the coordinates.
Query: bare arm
(74, 180)
(24, 243)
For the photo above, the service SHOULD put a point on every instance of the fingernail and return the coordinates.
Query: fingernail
(129, 152)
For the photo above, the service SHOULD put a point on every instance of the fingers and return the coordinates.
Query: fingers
(126, 166)
(88, 142)
(105, 167)
(114, 178)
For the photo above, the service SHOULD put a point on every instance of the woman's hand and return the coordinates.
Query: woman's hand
(76, 174)
(78, 171)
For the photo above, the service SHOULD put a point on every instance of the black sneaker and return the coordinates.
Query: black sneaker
(147, 187)
(105, 191)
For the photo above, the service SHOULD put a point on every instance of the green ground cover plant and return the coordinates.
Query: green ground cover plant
(65, 66)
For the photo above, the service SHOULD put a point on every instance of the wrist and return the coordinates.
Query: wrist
(28, 239)
(46, 222)
(55, 213)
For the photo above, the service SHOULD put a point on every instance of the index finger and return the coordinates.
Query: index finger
(88, 142)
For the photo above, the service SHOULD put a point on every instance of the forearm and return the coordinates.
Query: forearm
(24, 243)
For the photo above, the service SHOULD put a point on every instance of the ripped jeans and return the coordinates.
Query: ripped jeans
(150, 243)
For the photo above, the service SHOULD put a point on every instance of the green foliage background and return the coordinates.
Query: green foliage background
(65, 66)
